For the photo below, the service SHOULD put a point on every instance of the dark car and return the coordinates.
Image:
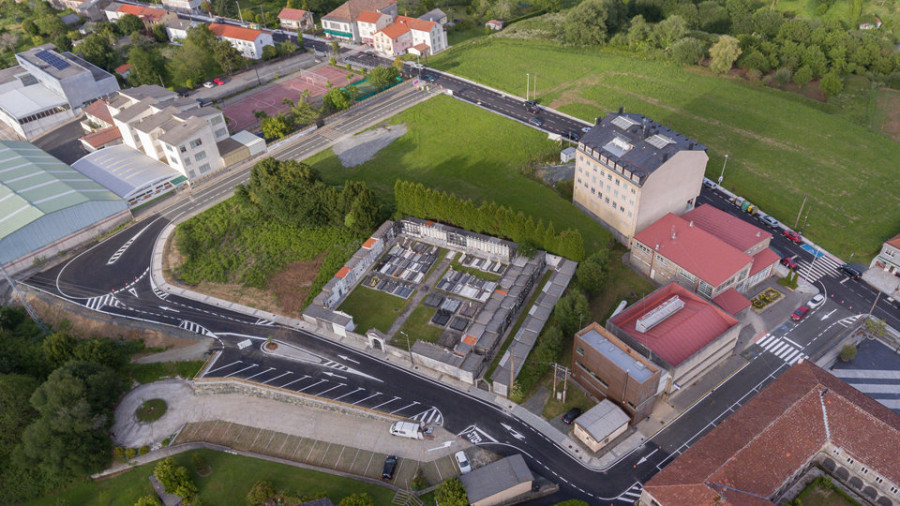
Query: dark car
(390, 464)
(570, 417)
(792, 236)
(850, 271)
(574, 136)
(710, 184)
(800, 313)
(531, 106)
(428, 77)
(790, 263)
(534, 120)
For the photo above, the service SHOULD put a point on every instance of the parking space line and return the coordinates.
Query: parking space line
(257, 374)
(242, 370)
(376, 394)
(223, 367)
(404, 407)
(292, 382)
(276, 377)
(383, 403)
(339, 385)
(314, 384)
(350, 393)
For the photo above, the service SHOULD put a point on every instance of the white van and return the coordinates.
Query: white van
(411, 430)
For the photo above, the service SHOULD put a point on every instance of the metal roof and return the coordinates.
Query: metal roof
(124, 170)
(602, 420)
(22, 102)
(628, 363)
(496, 477)
(45, 197)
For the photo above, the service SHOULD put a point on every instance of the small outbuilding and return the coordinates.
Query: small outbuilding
(498, 483)
(255, 144)
(494, 24)
(600, 425)
(567, 155)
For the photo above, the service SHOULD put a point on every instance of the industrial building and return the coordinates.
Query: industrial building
(130, 174)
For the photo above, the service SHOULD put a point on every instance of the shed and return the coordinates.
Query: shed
(600, 425)
(256, 144)
(499, 482)
(567, 155)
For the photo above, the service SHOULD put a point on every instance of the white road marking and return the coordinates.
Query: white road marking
(292, 382)
(339, 385)
(242, 370)
(404, 407)
(367, 398)
(351, 393)
(314, 384)
(276, 377)
(223, 367)
(384, 403)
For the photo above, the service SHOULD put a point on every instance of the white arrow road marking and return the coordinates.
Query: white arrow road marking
(445, 445)
(327, 373)
(167, 308)
(644, 458)
(513, 432)
(348, 359)
(825, 316)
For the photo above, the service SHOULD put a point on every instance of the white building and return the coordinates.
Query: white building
(342, 23)
(296, 20)
(183, 5)
(410, 35)
(370, 22)
(247, 41)
(177, 29)
(48, 88)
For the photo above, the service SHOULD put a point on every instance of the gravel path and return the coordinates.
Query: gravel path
(359, 149)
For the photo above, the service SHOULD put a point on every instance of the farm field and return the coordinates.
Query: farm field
(782, 147)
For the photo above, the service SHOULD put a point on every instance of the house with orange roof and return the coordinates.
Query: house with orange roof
(410, 35)
(149, 15)
(247, 41)
(805, 419)
(296, 20)
(370, 22)
(341, 23)
(888, 259)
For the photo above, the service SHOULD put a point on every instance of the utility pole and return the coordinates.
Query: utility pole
(565, 384)
(512, 368)
(408, 348)
(801, 211)
(555, 372)
(806, 217)
(722, 175)
(527, 83)
(240, 14)
(534, 88)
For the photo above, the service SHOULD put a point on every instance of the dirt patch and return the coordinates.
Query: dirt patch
(359, 149)
(240, 294)
(888, 102)
(172, 258)
(291, 285)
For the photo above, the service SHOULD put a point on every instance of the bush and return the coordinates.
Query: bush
(848, 352)
(130, 453)
(118, 452)
(782, 76)
(144, 450)
(419, 482)
(166, 441)
(260, 492)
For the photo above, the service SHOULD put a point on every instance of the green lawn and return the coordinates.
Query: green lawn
(575, 398)
(418, 329)
(231, 478)
(147, 373)
(372, 309)
(782, 146)
(473, 153)
(815, 494)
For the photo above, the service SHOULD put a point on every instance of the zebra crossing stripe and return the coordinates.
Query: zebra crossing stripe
(766, 340)
(775, 350)
(789, 351)
(98, 302)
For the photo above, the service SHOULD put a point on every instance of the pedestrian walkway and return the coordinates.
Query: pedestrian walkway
(783, 348)
(421, 291)
(821, 267)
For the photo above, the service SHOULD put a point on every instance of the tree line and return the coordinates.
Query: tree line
(414, 199)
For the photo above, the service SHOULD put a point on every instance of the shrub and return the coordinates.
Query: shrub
(848, 352)
(782, 76)
(130, 453)
(118, 452)
(166, 441)
(144, 450)
(419, 482)
(260, 492)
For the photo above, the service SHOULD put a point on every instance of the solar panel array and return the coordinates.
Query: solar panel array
(55, 61)
(659, 141)
(624, 122)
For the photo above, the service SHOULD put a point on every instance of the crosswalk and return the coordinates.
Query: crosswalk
(109, 299)
(431, 416)
(631, 495)
(781, 347)
(264, 323)
(822, 267)
(195, 328)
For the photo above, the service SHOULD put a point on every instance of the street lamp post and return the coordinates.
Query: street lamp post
(722, 175)
(527, 83)
(408, 348)
(239, 11)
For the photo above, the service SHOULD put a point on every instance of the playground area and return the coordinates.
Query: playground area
(270, 99)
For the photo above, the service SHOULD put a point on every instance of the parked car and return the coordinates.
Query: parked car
(790, 263)
(464, 466)
(850, 271)
(574, 136)
(218, 81)
(709, 183)
(816, 301)
(769, 221)
(390, 465)
(585, 129)
(534, 120)
(209, 84)
(800, 313)
(428, 77)
(792, 236)
(570, 417)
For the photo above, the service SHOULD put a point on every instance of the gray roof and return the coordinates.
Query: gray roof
(71, 19)
(496, 477)
(22, 102)
(124, 170)
(180, 24)
(434, 15)
(636, 142)
(43, 200)
(634, 367)
(182, 132)
(96, 72)
(69, 68)
(602, 420)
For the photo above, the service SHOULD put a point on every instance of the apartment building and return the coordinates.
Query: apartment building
(187, 6)
(247, 41)
(370, 22)
(631, 171)
(296, 20)
(410, 35)
(342, 23)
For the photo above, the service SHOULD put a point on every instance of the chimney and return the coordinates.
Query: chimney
(691, 224)
(665, 157)
(644, 129)
(657, 247)
(621, 109)
(674, 235)
(690, 146)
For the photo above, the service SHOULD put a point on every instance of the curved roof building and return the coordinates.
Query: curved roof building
(44, 202)
(130, 174)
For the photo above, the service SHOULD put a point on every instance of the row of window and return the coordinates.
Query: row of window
(611, 203)
(865, 470)
(591, 373)
(608, 175)
(44, 114)
(609, 162)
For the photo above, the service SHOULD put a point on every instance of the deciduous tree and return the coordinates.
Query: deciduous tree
(592, 22)
(724, 53)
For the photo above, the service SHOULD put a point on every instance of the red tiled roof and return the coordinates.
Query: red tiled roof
(470, 340)
(693, 249)
(763, 259)
(421, 47)
(103, 137)
(759, 448)
(732, 301)
(234, 32)
(351, 9)
(495, 22)
(369, 17)
(99, 110)
(369, 243)
(142, 12)
(731, 229)
(894, 241)
(343, 272)
(292, 14)
(415, 24)
(682, 334)
(395, 30)
(121, 69)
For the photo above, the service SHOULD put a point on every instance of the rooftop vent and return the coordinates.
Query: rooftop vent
(658, 314)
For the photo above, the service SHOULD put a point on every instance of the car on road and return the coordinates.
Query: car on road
(769, 221)
(816, 301)
(390, 465)
(209, 84)
(464, 466)
(792, 236)
(218, 81)
(799, 313)
(428, 77)
(570, 417)
(710, 184)
(790, 263)
(531, 105)
(850, 271)
(586, 129)
(534, 120)
(573, 136)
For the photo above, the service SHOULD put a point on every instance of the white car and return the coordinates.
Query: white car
(463, 462)
(770, 221)
(209, 84)
(816, 301)
(585, 129)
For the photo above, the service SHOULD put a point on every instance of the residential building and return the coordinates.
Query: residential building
(888, 259)
(607, 368)
(410, 35)
(247, 41)
(600, 425)
(631, 171)
(499, 482)
(123, 70)
(805, 418)
(494, 24)
(435, 15)
(190, 6)
(296, 20)
(47, 89)
(177, 29)
(678, 331)
(705, 250)
(341, 23)
(90, 9)
(149, 15)
(100, 129)
(370, 22)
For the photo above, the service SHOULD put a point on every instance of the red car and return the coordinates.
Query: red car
(790, 263)
(793, 236)
(799, 313)
(218, 81)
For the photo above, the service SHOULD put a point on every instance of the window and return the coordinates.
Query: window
(593, 191)
(204, 168)
(182, 148)
(579, 350)
(216, 120)
(609, 176)
(836, 451)
(196, 142)
(579, 180)
(864, 470)
(622, 209)
(187, 161)
(200, 156)
(629, 214)
(632, 190)
(879, 480)
(607, 200)
(220, 132)
(894, 490)
(850, 460)
(641, 247)
(617, 182)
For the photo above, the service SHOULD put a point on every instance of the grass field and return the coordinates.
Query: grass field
(816, 495)
(782, 146)
(230, 480)
(473, 153)
(417, 327)
(148, 373)
(372, 309)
